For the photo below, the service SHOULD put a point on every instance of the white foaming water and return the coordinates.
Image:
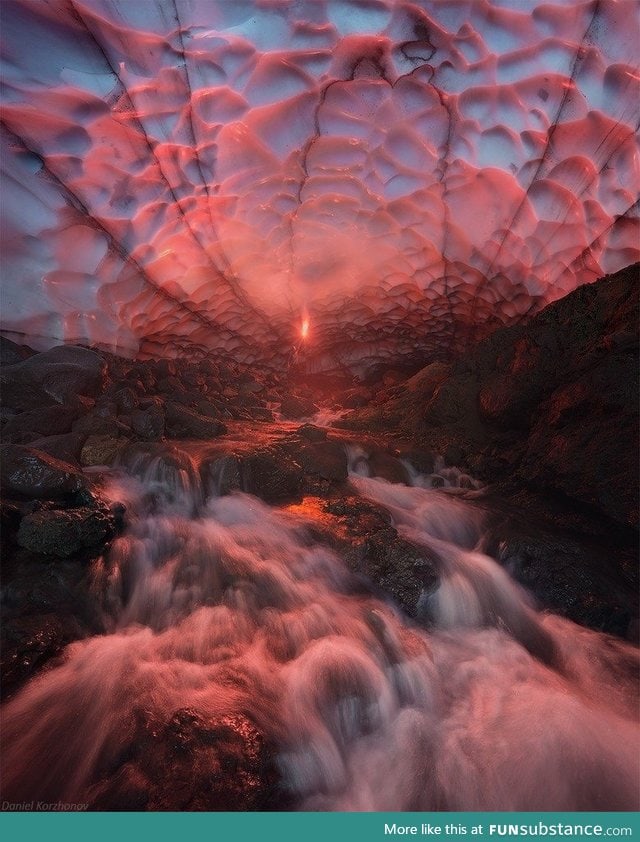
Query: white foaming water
(238, 610)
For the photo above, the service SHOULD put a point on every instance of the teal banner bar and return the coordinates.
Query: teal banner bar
(313, 827)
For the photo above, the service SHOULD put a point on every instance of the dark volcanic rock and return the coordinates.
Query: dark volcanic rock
(326, 459)
(63, 533)
(32, 473)
(53, 377)
(183, 423)
(29, 642)
(148, 424)
(372, 547)
(550, 404)
(11, 353)
(221, 475)
(46, 603)
(66, 448)
(388, 467)
(295, 407)
(271, 477)
(193, 762)
(585, 437)
(311, 432)
(99, 422)
(101, 450)
(399, 568)
(45, 421)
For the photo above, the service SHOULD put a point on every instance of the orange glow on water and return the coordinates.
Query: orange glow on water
(304, 328)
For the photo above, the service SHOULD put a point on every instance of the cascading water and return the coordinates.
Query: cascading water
(228, 620)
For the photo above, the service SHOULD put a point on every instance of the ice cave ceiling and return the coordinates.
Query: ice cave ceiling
(406, 176)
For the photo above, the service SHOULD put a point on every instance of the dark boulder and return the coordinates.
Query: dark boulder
(11, 353)
(101, 450)
(53, 377)
(184, 423)
(585, 439)
(259, 413)
(45, 421)
(271, 475)
(66, 447)
(148, 424)
(388, 467)
(363, 534)
(296, 407)
(221, 475)
(210, 408)
(326, 459)
(311, 432)
(99, 422)
(399, 568)
(27, 472)
(65, 532)
(29, 642)
(357, 397)
(125, 399)
(192, 761)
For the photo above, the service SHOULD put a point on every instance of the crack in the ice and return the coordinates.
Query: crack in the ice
(80, 207)
(151, 146)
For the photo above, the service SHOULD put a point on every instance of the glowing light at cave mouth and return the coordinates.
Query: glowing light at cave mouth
(181, 177)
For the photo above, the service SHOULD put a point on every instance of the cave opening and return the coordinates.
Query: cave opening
(319, 404)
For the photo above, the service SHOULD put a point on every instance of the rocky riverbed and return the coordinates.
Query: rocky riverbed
(532, 436)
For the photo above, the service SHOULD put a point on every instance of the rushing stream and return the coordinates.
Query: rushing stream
(230, 614)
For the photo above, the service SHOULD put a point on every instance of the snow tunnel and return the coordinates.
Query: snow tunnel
(194, 177)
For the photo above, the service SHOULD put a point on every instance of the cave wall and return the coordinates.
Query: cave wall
(183, 176)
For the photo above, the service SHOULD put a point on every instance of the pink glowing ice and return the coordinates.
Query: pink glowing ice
(410, 174)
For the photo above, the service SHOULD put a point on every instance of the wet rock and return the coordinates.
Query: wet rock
(101, 450)
(210, 408)
(582, 439)
(311, 432)
(193, 378)
(11, 353)
(47, 602)
(370, 546)
(221, 475)
(296, 407)
(388, 467)
(271, 475)
(250, 387)
(183, 423)
(259, 413)
(98, 423)
(356, 397)
(326, 459)
(57, 376)
(32, 473)
(125, 399)
(148, 424)
(171, 386)
(29, 642)
(455, 402)
(399, 568)
(454, 455)
(195, 761)
(65, 532)
(45, 421)
(165, 368)
(66, 448)
(422, 460)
